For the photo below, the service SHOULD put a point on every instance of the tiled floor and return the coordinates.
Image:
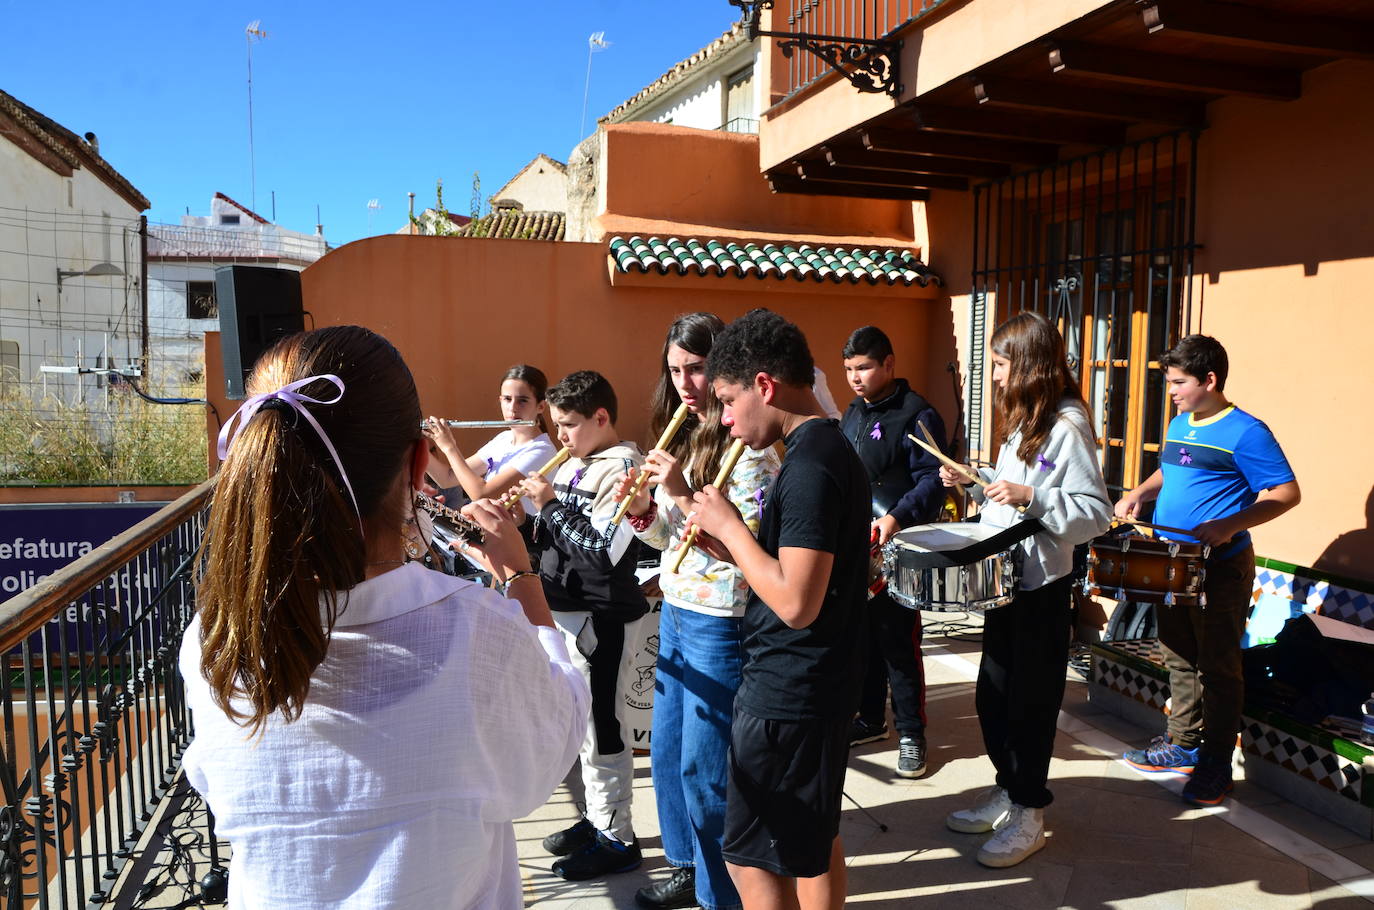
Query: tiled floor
(1116, 838)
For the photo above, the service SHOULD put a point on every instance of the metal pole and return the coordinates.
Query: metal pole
(143, 296)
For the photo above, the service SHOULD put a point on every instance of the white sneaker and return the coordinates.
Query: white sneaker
(1018, 837)
(991, 810)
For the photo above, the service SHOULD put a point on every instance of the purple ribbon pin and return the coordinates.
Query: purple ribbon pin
(876, 432)
(758, 502)
(491, 465)
(1185, 457)
(1044, 463)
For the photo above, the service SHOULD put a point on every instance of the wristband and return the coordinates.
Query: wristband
(642, 522)
(505, 588)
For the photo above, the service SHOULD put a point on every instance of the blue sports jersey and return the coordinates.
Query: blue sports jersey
(1214, 468)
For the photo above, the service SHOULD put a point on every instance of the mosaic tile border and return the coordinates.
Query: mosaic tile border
(1306, 759)
(1303, 586)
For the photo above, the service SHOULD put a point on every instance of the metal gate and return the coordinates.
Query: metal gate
(1102, 245)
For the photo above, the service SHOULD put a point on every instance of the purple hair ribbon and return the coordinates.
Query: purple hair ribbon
(1044, 463)
(297, 401)
(876, 432)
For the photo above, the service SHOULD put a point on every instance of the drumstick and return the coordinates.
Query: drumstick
(954, 465)
(727, 467)
(1145, 524)
(669, 432)
(512, 496)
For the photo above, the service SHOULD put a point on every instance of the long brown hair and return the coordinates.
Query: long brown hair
(1039, 379)
(283, 531)
(701, 443)
(536, 380)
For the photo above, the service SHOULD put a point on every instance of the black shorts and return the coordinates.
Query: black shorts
(782, 810)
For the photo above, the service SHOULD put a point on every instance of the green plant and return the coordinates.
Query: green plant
(115, 437)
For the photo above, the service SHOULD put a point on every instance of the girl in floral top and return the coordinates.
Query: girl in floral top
(699, 655)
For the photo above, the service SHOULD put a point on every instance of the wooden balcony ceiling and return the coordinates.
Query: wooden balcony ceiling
(1133, 69)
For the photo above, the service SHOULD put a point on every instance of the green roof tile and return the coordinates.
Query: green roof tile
(803, 262)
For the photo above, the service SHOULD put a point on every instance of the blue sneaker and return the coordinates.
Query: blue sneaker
(1161, 756)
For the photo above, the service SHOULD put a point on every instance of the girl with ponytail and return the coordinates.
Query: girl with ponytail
(366, 729)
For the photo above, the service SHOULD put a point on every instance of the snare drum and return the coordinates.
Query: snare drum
(1138, 568)
(954, 566)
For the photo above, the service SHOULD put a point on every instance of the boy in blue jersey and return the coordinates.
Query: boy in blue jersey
(1221, 473)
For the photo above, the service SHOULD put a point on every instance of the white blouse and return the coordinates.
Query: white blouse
(438, 717)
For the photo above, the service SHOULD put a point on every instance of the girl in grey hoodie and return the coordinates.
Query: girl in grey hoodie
(1046, 470)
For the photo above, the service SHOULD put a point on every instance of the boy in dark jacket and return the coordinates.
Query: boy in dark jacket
(904, 481)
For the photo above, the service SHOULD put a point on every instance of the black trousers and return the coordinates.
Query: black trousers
(894, 656)
(1021, 686)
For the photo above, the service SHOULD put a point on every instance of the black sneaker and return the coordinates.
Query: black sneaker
(603, 856)
(570, 840)
(1209, 783)
(861, 731)
(677, 890)
(911, 755)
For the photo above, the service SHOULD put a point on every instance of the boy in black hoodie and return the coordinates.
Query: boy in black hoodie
(904, 481)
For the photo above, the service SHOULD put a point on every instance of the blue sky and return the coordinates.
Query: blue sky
(352, 101)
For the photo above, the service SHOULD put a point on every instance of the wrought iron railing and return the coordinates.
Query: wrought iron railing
(94, 722)
(827, 23)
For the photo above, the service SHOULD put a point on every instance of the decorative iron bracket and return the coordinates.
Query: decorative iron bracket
(868, 64)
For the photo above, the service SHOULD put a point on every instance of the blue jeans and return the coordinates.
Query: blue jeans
(699, 660)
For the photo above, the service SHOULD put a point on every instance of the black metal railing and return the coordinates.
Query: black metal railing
(1103, 245)
(94, 722)
(865, 20)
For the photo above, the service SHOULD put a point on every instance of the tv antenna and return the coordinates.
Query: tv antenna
(597, 42)
(373, 205)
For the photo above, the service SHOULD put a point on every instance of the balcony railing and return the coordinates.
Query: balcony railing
(864, 19)
(94, 722)
(177, 241)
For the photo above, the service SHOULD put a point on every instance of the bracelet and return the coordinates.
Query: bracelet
(505, 588)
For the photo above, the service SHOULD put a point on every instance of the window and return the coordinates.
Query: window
(9, 364)
(228, 219)
(1103, 246)
(200, 300)
(741, 115)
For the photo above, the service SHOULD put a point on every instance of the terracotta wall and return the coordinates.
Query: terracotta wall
(463, 310)
(1286, 219)
(670, 179)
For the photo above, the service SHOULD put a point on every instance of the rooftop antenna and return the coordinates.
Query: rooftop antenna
(596, 42)
(253, 31)
(319, 225)
(373, 205)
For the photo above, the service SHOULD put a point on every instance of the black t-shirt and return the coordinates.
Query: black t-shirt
(819, 501)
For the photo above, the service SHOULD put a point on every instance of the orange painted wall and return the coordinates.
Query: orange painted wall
(673, 176)
(1286, 219)
(463, 310)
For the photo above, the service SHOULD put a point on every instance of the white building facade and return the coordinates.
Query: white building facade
(182, 259)
(71, 259)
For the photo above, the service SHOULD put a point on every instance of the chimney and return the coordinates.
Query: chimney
(93, 142)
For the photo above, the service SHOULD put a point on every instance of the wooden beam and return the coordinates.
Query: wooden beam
(1092, 102)
(784, 183)
(820, 170)
(1017, 125)
(849, 156)
(1256, 26)
(919, 144)
(1211, 77)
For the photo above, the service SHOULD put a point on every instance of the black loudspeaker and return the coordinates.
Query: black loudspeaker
(257, 306)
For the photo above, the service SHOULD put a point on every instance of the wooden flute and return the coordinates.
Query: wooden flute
(512, 496)
(726, 469)
(679, 416)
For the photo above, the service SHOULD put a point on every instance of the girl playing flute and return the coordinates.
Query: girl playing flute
(699, 654)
